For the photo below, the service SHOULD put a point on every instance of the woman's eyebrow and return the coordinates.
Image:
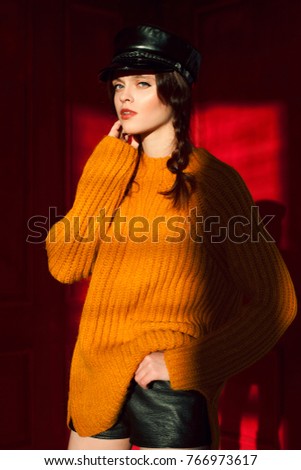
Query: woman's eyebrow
(144, 76)
(148, 76)
(120, 79)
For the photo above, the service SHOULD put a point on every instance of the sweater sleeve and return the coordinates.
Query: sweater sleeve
(255, 268)
(72, 243)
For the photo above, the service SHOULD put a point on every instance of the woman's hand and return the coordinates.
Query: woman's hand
(116, 131)
(152, 367)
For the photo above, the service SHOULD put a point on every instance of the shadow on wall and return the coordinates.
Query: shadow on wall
(253, 408)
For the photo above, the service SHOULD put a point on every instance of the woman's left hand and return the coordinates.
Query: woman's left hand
(152, 367)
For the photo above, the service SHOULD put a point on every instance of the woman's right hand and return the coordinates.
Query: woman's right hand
(152, 367)
(116, 131)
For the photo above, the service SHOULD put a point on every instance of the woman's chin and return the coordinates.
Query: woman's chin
(128, 129)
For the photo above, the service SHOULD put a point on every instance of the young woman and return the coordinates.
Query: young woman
(187, 287)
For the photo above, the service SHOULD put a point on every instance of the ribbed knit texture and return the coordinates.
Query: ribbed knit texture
(214, 308)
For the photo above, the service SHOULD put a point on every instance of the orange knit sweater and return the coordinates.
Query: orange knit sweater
(201, 284)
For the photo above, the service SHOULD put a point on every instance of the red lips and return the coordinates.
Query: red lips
(127, 113)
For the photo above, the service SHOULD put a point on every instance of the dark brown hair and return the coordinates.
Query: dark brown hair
(173, 90)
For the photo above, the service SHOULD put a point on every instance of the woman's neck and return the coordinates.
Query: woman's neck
(159, 143)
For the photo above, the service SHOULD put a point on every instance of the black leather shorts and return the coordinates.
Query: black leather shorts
(160, 417)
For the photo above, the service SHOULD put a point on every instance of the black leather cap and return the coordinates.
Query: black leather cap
(150, 48)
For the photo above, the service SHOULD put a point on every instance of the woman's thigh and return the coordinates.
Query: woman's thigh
(77, 442)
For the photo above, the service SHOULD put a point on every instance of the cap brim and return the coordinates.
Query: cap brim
(118, 68)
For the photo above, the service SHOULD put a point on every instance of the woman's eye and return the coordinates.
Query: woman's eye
(143, 84)
(117, 86)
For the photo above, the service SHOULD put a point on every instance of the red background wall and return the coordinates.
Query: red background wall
(53, 112)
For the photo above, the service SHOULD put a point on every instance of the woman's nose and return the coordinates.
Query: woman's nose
(126, 95)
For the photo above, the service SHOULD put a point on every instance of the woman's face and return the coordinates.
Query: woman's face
(138, 107)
